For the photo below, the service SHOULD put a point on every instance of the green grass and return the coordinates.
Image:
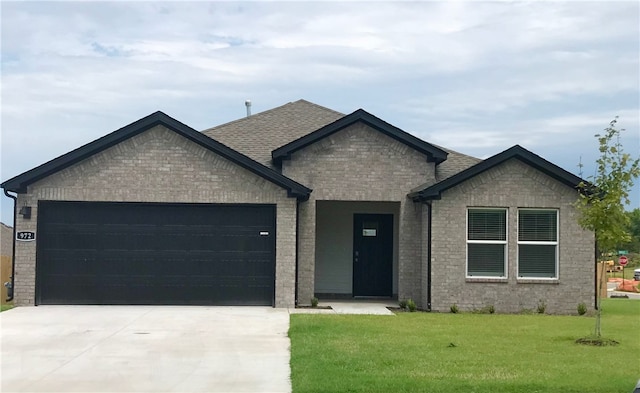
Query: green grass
(431, 352)
(5, 307)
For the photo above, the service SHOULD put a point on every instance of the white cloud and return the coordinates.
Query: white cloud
(473, 76)
(569, 130)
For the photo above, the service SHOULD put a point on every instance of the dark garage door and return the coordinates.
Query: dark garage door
(142, 253)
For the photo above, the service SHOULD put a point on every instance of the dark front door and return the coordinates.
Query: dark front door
(372, 254)
(155, 253)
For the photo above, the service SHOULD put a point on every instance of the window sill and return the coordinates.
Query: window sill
(487, 279)
(550, 281)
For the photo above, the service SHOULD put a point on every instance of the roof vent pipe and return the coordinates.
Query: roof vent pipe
(247, 103)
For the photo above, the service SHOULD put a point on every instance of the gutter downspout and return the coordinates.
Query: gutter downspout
(13, 245)
(429, 209)
(297, 241)
(596, 283)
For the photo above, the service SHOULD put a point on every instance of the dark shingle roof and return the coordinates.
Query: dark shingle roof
(516, 152)
(456, 162)
(258, 135)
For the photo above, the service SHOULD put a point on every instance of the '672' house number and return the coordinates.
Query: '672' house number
(25, 236)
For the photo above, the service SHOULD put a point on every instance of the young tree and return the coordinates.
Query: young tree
(602, 199)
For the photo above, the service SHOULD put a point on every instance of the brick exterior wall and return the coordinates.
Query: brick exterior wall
(359, 163)
(160, 166)
(511, 185)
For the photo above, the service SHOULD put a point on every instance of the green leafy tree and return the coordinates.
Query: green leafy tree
(634, 230)
(602, 199)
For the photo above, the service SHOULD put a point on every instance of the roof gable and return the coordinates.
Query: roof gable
(19, 183)
(432, 152)
(518, 152)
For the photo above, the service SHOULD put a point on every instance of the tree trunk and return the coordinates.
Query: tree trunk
(602, 266)
(598, 331)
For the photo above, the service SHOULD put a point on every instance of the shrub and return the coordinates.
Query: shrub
(314, 302)
(403, 304)
(454, 308)
(411, 305)
(490, 309)
(542, 307)
(582, 309)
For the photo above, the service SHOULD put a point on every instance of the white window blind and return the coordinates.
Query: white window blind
(486, 242)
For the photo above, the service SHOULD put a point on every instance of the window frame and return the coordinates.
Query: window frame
(539, 243)
(504, 243)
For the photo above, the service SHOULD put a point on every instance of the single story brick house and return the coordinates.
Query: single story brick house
(296, 202)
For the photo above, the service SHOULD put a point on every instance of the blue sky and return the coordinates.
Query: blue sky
(477, 77)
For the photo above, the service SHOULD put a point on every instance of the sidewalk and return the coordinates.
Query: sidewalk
(368, 307)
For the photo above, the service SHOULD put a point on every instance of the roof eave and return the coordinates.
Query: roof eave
(20, 182)
(420, 197)
(433, 153)
(434, 192)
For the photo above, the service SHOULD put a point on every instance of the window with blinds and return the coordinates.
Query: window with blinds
(537, 243)
(486, 242)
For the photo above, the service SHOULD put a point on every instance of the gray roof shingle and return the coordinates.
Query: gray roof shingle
(456, 162)
(258, 135)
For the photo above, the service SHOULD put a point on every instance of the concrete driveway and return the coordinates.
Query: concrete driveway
(145, 349)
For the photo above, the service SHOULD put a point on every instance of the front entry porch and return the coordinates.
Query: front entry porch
(356, 253)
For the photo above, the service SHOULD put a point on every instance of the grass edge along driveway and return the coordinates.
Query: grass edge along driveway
(441, 352)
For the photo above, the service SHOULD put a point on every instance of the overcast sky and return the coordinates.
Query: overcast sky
(471, 76)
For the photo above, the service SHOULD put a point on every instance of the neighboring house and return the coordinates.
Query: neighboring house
(296, 202)
(6, 251)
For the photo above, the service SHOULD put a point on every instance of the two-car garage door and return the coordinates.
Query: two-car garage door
(153, 253)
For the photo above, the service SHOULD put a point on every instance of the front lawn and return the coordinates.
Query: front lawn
(432, 352)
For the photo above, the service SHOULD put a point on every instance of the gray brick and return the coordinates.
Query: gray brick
(362, 164)
(159, 166)
(511, 185)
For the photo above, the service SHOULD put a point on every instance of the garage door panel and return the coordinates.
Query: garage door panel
(64, 236)
(132, 253)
